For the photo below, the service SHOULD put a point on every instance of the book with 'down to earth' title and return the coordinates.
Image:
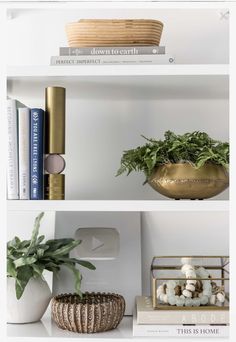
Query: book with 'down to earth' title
(113, 51)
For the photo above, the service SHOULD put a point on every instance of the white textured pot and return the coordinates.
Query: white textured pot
(33, 303)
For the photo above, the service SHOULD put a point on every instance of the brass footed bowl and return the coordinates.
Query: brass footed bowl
(95, 312)
(183, 181)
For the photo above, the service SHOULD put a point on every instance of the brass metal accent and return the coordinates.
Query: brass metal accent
(154, 287)
(55, 120)
(192, 308)
(171, 267)
(156, 280)
(54, 186)
(183, 181)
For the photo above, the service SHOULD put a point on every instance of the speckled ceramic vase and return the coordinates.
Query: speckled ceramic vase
(95, 312)
(32, 304)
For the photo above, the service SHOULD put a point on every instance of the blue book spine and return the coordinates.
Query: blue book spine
(36, 154)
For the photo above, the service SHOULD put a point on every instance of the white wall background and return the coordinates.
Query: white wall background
(162, 233)
(192, 35)
(121, 273)
(182, 233)
(105, 116)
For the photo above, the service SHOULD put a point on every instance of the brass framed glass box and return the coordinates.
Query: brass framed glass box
(190, 282)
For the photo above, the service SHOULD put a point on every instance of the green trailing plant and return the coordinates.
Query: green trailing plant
(29, 258)
(196, 148)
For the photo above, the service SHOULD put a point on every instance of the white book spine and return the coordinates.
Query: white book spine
(147, 315)
(12, 160)
(184, 317)
(24, 152)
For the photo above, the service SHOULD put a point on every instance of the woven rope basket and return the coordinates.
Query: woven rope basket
(95, 312)
(109, 32)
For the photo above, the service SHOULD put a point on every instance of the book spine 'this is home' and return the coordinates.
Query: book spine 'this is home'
(36, 153)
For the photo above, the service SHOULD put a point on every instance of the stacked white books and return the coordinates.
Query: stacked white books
(182, 323)
(112, 55)
(18, 118)
(25, 151)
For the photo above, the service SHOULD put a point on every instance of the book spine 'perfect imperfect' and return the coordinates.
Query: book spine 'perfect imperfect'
(105, 60)
(12, 160)
(113, 51)
(36, 154)
(24, 152)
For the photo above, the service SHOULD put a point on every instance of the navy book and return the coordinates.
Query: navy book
(36, 154)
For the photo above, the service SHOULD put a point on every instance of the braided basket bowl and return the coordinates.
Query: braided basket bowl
(95, 312)
(114, 32)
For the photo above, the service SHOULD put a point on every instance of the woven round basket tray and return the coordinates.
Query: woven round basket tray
(110, 32)
(95, 312)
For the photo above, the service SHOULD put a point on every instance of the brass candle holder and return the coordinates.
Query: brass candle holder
(54, 180)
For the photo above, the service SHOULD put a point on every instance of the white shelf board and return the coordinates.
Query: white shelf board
(46, 330)
(16, 72)
(114, 4)
(114, 205)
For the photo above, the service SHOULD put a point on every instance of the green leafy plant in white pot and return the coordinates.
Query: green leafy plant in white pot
(28, 294)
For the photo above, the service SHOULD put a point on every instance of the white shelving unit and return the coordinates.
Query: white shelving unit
(75, 205)
(109, 107)
(48, 330)
(17, 73)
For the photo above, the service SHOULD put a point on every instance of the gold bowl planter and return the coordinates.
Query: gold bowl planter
(183, 181)
(95, 312)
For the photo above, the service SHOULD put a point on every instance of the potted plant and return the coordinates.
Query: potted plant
(28, 292)
(188, 166)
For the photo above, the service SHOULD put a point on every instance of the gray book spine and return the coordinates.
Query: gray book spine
(106, 60)
(113, 51)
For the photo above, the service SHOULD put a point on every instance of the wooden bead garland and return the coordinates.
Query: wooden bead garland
(191, 292)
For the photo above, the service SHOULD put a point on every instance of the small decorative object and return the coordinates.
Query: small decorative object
(114, 32)
(190, 282)
(188, 166)
(55, 143)
(28, 292)
(94, 312)
(104, 236)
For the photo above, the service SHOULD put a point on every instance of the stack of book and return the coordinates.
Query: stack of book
(36, 140)
(112, 55)
(190, 322)
(25, 151)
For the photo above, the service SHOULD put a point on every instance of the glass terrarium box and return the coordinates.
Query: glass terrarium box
(190, 282)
